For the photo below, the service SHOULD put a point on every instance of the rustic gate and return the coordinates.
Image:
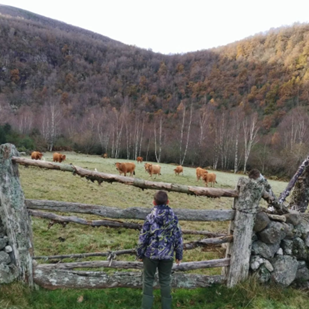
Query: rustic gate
(15, 211)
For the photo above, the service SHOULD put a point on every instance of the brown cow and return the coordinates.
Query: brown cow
(153, 169)
(139, 159)
(58, 157)
(199, 173)
(209, 177)
(105, 155)
(146, 166)
(36, 155)
(125, 168)
(178, 170)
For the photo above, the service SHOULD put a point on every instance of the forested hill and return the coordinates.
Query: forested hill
(48, 66)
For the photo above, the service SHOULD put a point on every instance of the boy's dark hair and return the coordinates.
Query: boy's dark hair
(254, 174)
(161, 198)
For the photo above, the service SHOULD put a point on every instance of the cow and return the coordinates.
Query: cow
(178, 170)
(209, 177)
(199, 173)
(146, 166)
(36, 155)
(58, 157)
(105, 156)
(139, 159)
(125, 168)
(153, 169)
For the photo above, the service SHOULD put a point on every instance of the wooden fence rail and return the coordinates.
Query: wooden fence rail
(139, 213)
(136, 182)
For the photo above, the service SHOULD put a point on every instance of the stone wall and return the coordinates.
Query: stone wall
(8, 269)
(280, 249)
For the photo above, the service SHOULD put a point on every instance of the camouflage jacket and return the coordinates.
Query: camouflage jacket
(160, 235)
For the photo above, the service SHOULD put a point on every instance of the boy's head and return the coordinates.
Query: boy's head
(254, 174)
(160, 198)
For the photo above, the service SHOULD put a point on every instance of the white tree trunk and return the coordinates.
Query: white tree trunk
(250, 134)
(182, 159)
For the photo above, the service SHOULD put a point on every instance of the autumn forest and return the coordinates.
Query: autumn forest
(231, 108)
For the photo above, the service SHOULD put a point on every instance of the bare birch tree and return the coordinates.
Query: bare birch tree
(104, 130)
(141, 138)
(236, 133)
(203, 118)
(250, 130)
(158, 139)
(139, 122)
(118, 123)
(183, 153)
(25, 120)
(50, 123)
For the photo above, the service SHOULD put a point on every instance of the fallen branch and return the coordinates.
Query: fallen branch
(277, 217)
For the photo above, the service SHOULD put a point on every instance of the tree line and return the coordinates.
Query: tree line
(206, 137)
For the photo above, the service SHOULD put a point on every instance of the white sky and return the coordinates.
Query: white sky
(172, 26)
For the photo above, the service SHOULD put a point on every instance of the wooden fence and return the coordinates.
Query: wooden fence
(15, 211)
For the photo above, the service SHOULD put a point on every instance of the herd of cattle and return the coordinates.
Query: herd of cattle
(155, 169)
(129, 167)
(57, 157)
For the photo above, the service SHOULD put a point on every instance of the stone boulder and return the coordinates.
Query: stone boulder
(274, 233)
(300, 250)
(265, 250)
(285, 269)
(261, 222)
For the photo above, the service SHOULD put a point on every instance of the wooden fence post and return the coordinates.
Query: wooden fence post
(246, 205)
(14, 215)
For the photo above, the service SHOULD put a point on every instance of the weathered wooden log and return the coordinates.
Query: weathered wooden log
(205, 233)
(136, 182)
(109, 223)
(84, 255)
(59, 278)
(187, 246)
(276, 217)
(114, 224)
(293, 180)
(14, 215)
(129, 213)
(246, 205)
(135, 265)
(216, 241)
(273, 201)
(300, 196)
(209, 242)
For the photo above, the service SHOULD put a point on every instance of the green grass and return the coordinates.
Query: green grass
(63, 186)
(249, 294)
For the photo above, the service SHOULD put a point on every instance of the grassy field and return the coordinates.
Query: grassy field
(63, 186)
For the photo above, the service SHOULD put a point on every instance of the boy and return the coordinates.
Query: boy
(159, 238)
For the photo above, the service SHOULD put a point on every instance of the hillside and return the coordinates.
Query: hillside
(66, 87)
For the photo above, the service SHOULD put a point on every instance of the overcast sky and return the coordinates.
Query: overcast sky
(172, 26)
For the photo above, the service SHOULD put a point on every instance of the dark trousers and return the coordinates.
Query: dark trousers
(164, 269)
